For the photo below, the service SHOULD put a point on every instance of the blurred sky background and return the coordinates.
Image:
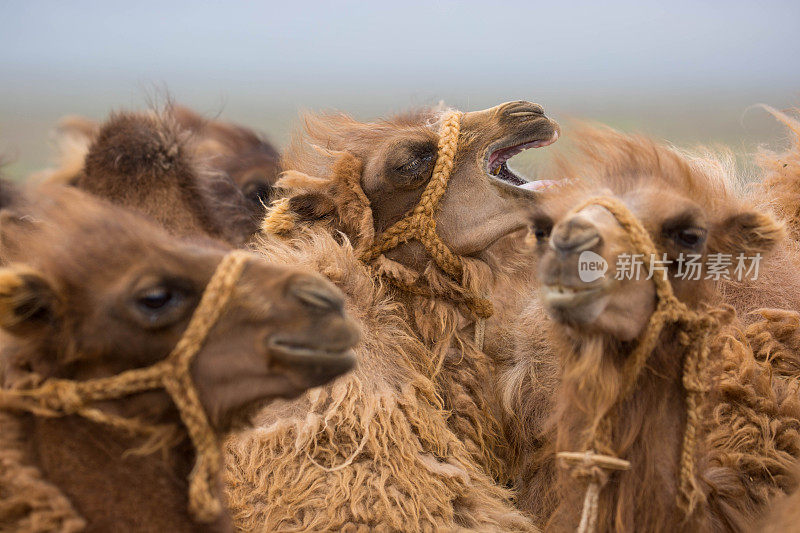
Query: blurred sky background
(686, 71)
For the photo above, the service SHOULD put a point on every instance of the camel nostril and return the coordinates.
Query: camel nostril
(318, 295)
(536, 108)
(575, 236)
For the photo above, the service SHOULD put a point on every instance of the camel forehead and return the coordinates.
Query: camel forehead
(73, 235)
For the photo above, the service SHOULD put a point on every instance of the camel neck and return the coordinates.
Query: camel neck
(113, 490)
(647, 430)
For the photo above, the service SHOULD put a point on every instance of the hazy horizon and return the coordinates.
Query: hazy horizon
(688, 72)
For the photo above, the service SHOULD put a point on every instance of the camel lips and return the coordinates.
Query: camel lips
(498, 167)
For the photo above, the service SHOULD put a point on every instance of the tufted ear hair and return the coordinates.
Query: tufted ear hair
(749, 233)
(28, 301)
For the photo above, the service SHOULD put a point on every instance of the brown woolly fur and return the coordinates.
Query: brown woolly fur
(529, 383)
(784, 516)
(164, 345)
(29, 503)
(782, 182)
(775, 339)
(374, 449)
(711, 430)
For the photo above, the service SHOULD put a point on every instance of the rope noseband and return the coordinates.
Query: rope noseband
(418, 224)
(696, 329)
(60, 397)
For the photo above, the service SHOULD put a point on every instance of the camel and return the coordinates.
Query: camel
(97, 307)
(146, 162)
(782, 179)
(347, 189)
(662, 417)
(227, 176)
(244, 155)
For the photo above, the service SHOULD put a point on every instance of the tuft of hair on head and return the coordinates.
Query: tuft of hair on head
(27, 299)
(140, 145)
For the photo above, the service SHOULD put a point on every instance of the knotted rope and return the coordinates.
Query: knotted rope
(60, 397)
(694, 331)
(418, 224)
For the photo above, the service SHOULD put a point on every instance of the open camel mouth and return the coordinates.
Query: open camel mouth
(565, 297)
(497, 167)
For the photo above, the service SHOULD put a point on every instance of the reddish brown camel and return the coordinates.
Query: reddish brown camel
(689, 430)
(93, 291)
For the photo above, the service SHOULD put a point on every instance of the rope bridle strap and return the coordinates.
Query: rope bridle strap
(59, 397)
(695, 330)
(418, 224)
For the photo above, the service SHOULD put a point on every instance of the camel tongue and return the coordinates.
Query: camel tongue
(539, 185)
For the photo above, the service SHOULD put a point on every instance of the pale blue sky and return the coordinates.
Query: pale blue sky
(259, 62)
(681, 43)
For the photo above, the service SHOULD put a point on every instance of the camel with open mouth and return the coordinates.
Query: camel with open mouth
(421, 223)
(119, 341)
(662, 417)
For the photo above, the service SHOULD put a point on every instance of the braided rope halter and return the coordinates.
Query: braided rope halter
(418, 224)
(61, 397)
(695, 331)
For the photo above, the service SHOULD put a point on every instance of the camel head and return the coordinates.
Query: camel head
(91, 291)
(591, 279)
(246, 157)
(483, 201)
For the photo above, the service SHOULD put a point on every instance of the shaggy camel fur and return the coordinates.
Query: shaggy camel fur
(348, 183)
(709, 432)
(75, 311)
(782, 182)
(784, 515)
(376, 451)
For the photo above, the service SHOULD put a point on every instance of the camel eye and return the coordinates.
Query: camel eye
(690, 237)
(414, 166)
(159, 302)
(154, 298)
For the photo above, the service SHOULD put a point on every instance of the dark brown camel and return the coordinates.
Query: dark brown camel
(195, 176)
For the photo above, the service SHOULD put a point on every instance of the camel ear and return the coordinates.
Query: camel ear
(28, 302)
(311, 206)
(750, 233)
